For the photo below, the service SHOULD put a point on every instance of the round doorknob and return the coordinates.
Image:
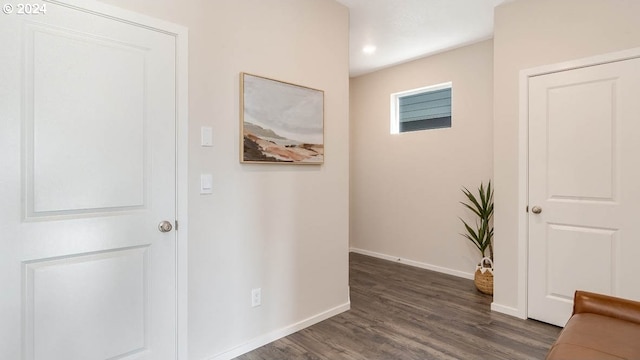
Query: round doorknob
(165, 226)
(536, 209)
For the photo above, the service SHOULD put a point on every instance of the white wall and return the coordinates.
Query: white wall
(282, 228)
(530, 33)
(405, 188)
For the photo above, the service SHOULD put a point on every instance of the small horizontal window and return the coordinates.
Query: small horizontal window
(421, 109)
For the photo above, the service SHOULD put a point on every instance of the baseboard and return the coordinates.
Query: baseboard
(508, 310)
(280, 333)
(414, 263)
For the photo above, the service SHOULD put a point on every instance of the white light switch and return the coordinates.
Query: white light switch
(206, 184)
(206, 136)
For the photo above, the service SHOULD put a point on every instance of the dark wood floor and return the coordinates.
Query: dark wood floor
(402, 312)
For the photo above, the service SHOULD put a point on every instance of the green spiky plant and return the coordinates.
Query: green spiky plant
(482, 234)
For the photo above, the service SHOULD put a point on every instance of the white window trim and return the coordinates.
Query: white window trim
(395, 103)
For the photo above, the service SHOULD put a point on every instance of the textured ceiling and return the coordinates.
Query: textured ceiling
(402, 30)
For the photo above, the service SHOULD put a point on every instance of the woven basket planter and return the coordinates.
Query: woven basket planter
(484, 277)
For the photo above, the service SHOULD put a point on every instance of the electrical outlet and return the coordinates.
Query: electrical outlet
(256, 297)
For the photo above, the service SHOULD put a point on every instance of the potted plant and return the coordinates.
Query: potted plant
(481, 235)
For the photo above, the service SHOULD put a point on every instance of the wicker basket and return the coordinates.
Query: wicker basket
(484, 277)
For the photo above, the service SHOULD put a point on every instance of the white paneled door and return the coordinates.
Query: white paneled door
(88, 149)
(584, 186)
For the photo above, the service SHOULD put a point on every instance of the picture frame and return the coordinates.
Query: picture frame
(280, 122)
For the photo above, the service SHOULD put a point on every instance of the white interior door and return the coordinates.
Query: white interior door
(88, 150)
(584, 177)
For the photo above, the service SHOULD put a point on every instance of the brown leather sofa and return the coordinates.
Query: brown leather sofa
(602, 327)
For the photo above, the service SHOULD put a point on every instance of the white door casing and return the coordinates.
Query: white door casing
(583, 174)
(91, 97)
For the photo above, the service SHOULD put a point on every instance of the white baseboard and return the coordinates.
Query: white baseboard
(508, 310)
(414, 263)
(280, 333)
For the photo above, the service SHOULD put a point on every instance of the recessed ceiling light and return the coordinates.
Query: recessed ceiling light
(369, 49)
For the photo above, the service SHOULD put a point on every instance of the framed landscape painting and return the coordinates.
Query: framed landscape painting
(280, 122)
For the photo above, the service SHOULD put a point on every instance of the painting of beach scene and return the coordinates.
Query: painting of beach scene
(280, 122)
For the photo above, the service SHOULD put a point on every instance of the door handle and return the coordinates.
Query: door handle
(165, 226)
(536, 209)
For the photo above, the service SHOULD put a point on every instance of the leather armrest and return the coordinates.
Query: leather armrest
(623, 309)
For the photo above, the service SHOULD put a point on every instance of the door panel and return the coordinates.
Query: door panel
(587, 268)
(88, 149)
(579, 144)
(81, 292)
(109, 133)
(583, 173)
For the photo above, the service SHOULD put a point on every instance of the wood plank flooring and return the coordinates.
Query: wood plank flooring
(403, 312)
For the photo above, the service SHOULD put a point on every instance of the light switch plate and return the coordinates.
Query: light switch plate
(206, 136)
(206, 184)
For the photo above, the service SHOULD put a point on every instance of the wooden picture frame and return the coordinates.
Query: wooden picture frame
(280, 122)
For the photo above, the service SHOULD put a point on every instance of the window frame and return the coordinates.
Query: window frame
(395, 104)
